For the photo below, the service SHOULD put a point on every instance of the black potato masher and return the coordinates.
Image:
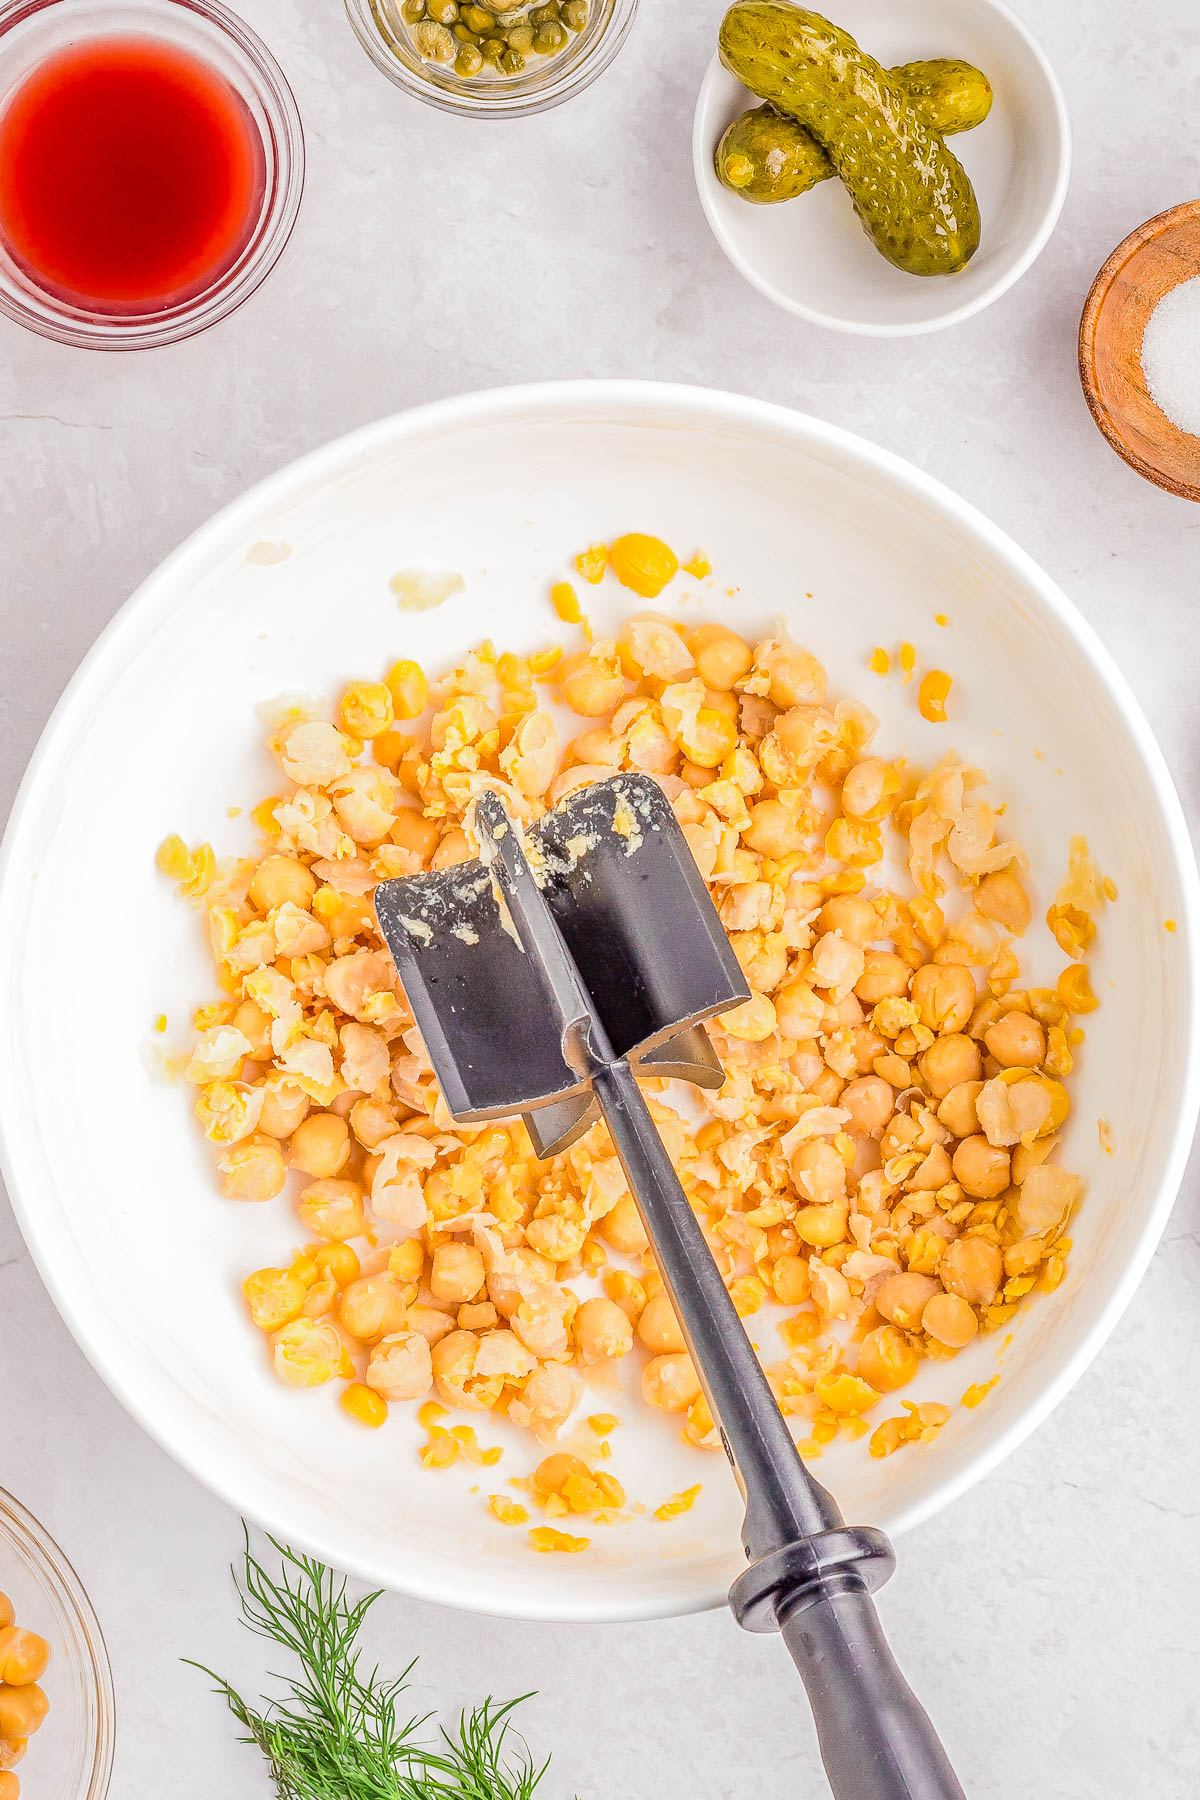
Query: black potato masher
(544, 977)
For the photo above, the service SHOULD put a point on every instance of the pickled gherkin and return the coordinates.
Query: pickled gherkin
(910, 192)
(766, 156)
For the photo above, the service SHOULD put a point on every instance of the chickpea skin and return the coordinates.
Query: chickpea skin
(400, 1367)
(981, 1169)
(1016, 1041)
(972, 1268)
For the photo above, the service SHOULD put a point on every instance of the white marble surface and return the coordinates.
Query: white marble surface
(1049, 1618)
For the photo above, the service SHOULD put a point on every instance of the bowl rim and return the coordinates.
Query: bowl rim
(45, 1555)
(708, 407)
(706, 184)
(1130, 246)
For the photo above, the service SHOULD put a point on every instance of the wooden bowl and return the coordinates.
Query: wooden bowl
(1151, 261)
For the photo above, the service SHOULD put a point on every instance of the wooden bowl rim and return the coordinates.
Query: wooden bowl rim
(1098, 293)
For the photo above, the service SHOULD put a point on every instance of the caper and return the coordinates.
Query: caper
(464, 36)
(413, 11)
(468, 62)
(549, 39)
(546, 14)
(434, 42)
(575, 14)
(478, 19)
(443, 12)
(492, 49)
(520, 38)
(512, 62)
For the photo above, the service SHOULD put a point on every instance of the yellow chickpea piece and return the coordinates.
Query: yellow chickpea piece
(408, 688)
(932, 695)
(1016, 1041)
(1074, 990)
(8, 1612)
(885, 975)
(773, 830)
(951, 1060)
(972, 1268)
(22, 1710)
(670, 1382)
(820, 1175)
(372, 1307)
(886, 1359)
(457, 1273)
(622, 1228)
(364, 1404)
(869, 1101)
(320, 1145)
(944, 995)
(367, 710)
(644, 564)
(902, 1298)
(1001, 898)
(822, 1226)
(592, 562)
(949, 1320)
(721, 656)
(956, 1111)
(401, 1367)
(252, 1170)
(307, 1352)
(602, 1330)
(274, 1296)
(659, 1329)
(24, 1657)
(339, 1261)
(981, 1169)
(333, 1209)
(589, 686)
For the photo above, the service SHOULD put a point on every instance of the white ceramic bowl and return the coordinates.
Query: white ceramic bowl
(811, 255)
(113, 1185)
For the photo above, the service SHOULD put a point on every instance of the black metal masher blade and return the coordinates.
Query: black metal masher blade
(543, 977)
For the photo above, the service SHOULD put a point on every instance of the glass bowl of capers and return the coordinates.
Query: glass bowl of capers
(470, 58)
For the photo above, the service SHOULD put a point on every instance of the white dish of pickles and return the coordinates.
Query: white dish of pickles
(810, 254)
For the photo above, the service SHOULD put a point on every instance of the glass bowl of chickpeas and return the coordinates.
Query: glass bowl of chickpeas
(487, 61)
(57, 1714)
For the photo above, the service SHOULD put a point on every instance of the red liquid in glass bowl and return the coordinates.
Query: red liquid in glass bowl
(131, 174)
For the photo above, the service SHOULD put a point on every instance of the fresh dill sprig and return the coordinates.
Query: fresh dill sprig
(337, 1733)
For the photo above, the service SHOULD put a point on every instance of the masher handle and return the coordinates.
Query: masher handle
(783, 1501)
(877, 1741)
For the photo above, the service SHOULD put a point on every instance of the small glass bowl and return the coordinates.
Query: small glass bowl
(546, 81)
(31, 30)
(71, 1757)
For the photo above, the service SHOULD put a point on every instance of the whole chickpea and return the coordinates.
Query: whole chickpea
(320, 1145)
(798, 1011)
(886, 1359)
(602, 1330)
(22, 1710)
(944, 995)
(797, 678)
(972, 1268)
(853, 916)
(659, 1329)
(281, 878)
(333, 1209)
(252, 1170)
(284, 1106)
(1016, 1041)
(956, 1110)
(884, 975)
(951, 1060)
(820, 1174)
(670, 1382)
(590, 687)
(790, 1280)
(622, 1228)
(981, 1169)
(372, 1307)
(949, 1320)
(721, 656)
(457, 1272)
(822, 1226)
(869, 1101)
(1001, 897)
(901, 1298)
(772, 830)
(413, 831)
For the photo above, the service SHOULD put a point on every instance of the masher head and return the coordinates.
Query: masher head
(588, 937)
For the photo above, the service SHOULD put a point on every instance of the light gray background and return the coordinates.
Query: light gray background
(1049, 1619)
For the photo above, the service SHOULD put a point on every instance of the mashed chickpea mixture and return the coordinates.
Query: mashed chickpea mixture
(880, 1163)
